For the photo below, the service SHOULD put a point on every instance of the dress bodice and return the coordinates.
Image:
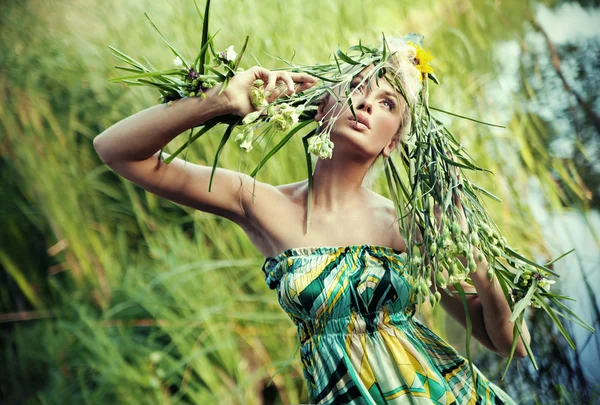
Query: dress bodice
(323, 284)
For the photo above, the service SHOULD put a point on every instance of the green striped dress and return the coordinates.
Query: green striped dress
(359, 340)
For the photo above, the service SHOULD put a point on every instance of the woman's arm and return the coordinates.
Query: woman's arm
(495, 308)
(131, 146)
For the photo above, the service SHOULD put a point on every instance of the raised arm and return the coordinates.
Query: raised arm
(131, 146)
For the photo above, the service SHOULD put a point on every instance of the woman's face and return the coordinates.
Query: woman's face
(378, 111)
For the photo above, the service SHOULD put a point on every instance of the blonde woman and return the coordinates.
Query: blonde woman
(342, 282)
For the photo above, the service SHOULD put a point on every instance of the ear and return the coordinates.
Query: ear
(321, 109)
(392, 144)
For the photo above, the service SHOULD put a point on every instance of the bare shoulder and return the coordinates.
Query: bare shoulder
(386, 212)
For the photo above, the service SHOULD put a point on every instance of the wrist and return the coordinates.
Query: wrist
(214, 105)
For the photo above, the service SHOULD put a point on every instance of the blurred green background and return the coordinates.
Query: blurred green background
(109, 294)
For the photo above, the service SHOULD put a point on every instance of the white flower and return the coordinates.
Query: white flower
(246, 145)
(178, 62)
(230, 54)
(251, 117)
(545, 284)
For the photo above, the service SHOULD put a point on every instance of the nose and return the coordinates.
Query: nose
(366, 104)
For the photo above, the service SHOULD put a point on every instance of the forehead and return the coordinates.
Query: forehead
(381, 83)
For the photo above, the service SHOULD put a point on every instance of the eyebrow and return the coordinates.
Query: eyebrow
(386, 92)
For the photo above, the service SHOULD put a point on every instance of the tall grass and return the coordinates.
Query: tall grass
(133, 299)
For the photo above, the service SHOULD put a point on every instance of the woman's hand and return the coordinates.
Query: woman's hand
(237, 92)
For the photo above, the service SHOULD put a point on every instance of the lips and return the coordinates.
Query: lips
(362, 119)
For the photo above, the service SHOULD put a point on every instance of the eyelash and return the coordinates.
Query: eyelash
(391, 104)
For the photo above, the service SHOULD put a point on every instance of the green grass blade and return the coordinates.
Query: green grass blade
(559, 257)
(239, 58)
(185, 62)
(310, 178)
(345, 57)
(463, 298)
(203, 52)
(204, 38)
(205, 129)
(466, 118)
(145, 75)
(224, 139)
(283, 141)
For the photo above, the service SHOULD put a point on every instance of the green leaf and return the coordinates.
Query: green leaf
(337, 63)
(204, 38)
(523, 303)
(280, 145)
(512, 350)
(484, 191)
(239, 58)
(433, 78)
(385, 48)
(527, 345)
(207, 126)
(345, 57)
(574, 317)
(219, 74)
(136, 70)
(203, 52)
(185, 62)
(467, 118)
(162, 86)
(559, 257)
(224, 139)
(128, 59)
(144, 75)
(224, 86)
(556, 321)
(463, 298)
(310, 179)
(526, 260)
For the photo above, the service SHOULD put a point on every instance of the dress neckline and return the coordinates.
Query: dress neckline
(307, 250)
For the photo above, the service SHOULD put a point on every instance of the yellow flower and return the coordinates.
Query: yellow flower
(422, 59)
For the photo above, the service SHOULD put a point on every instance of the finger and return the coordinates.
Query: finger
(271, 79)
(287, 79)
(280, 90)
(304, 81)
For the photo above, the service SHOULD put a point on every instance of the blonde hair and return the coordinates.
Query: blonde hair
(400, 65)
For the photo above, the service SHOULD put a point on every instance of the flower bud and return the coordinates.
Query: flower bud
(472, 266)
(192, 94)
(474, 239)
(424, 288)
(480, 256)
(258, 83)
(440, 280)
(495, 251)
(432, 300)
(416, 251)
(456, 229)
(433, 248)
(490, 273)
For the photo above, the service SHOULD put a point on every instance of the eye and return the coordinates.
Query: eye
(390, 104)
(354, 85)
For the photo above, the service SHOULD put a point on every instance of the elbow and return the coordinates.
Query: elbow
(100, 148)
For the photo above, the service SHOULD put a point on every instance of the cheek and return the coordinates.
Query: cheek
(390, 125)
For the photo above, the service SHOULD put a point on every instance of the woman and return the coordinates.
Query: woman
(341, 282)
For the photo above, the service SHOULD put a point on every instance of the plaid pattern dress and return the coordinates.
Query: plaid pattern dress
(359, 341)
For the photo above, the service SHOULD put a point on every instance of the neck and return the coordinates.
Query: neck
(337, 183)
